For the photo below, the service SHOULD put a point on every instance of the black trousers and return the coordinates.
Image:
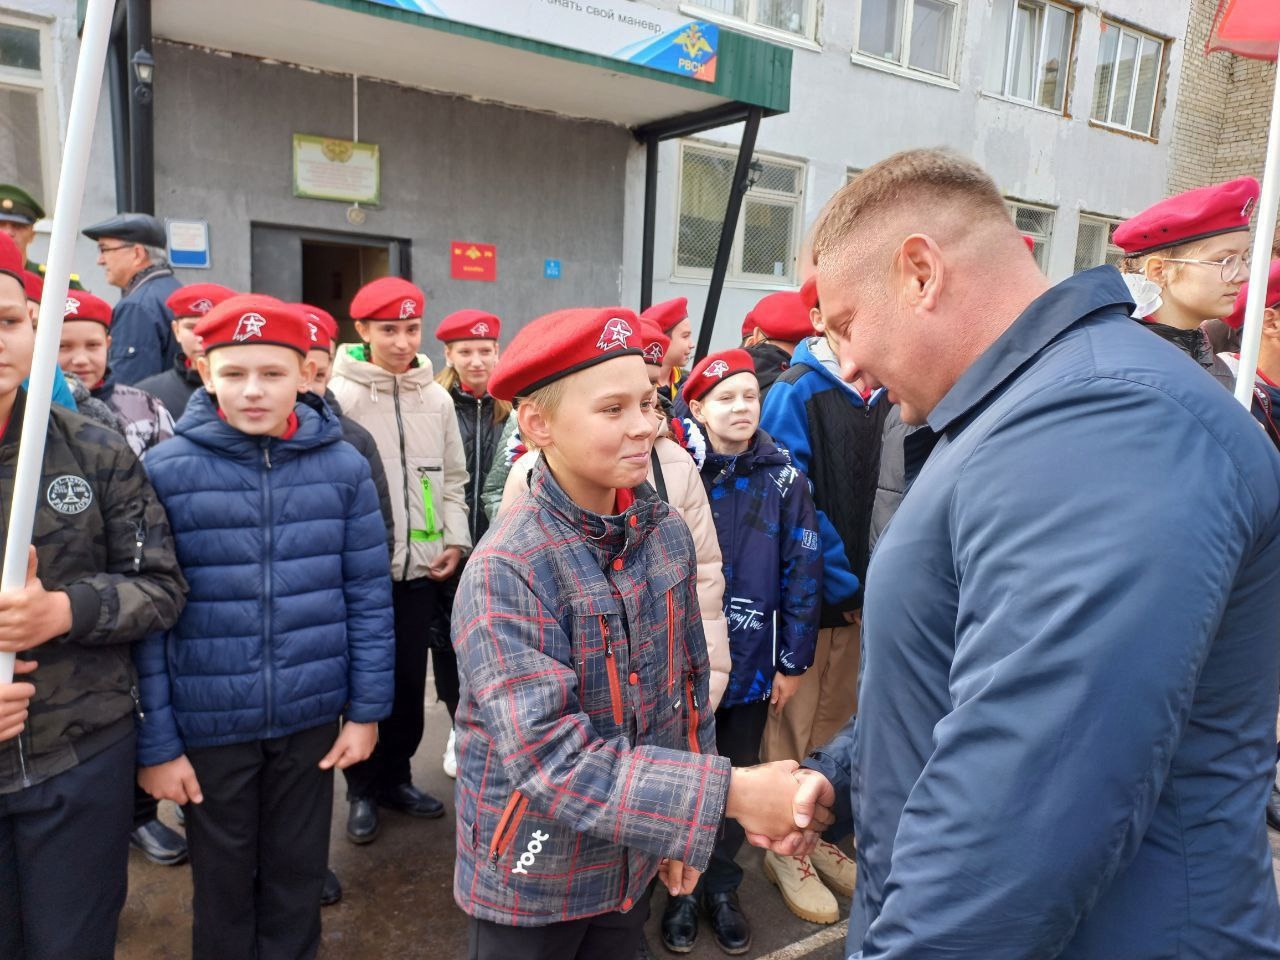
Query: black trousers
(444, 664)
(259, 846)
(64, 860)
(738, 733)
(416, 604)
(610, 936)
(145, 807)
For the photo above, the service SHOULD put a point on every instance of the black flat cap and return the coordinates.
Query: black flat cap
(132, 227)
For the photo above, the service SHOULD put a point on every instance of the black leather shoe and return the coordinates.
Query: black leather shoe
(733, 935)
(332, 892)
(362, 820)
(680, 924)
(159, 844)
(409, 799)
(1273, 808)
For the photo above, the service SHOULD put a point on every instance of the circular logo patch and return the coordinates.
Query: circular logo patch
(70, 495)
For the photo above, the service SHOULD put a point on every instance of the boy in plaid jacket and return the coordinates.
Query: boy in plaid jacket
(586, 754)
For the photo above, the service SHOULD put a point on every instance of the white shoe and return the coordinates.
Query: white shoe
(451, 757)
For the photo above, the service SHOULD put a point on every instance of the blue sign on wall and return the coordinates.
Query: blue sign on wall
(189, 244)
(551, 270)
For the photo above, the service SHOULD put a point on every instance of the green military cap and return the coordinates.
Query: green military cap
(18, 206)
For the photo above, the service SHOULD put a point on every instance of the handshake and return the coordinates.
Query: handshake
(781, 806)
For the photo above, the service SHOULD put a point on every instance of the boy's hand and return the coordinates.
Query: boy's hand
(15, 698)
(784, 688)
(811, 809)
(679, 878)
(33, 615)
(768, 802)
(442, 567)
(175, 780)
(355, 743)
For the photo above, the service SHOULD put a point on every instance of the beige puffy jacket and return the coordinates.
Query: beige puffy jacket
(686, 493)
(414, 425)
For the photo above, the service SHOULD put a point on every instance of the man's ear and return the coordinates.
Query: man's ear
(206, 373)
(921, 270)
(535, 425)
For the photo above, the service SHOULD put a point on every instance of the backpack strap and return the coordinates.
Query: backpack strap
(659, 481)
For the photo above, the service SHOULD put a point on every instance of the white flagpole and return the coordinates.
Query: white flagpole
(44, 366)
(1251, 338)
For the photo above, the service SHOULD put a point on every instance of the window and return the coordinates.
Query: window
(1127, 80)
(787, 16)
(1029, 55)
(1093, 243)
(916, 34)
(768, 235)
(1036, 223)
(24, 151)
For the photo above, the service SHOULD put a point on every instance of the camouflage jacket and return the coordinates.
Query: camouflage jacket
(102, 536)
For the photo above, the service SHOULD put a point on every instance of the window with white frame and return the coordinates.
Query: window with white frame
(1029, 52)
(788, 16)
(915, 34)
(768, 235)
(1093, 243)
(24, 152)
(1127, 79)
(1035, 222)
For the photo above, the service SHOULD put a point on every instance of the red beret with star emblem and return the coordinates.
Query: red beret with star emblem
(653, 342)
(561, 343)
(32, 285)
(83, 305)
(469, 325)
(668, 313)
(1194, 215)
(714, 369)
(321, 325)
(388, 298)
(197, 299)
(253, 318)
(1235, 319)
(781, 316)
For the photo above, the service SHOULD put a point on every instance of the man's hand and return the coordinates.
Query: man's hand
(784, 688)
(33, 615)
(355, 743)
(679, 878)
(442, 567)
(762, 799)
(811, 810)
(175, 780)
(15, 699)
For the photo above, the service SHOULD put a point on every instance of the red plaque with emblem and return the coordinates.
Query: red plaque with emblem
(473, 261)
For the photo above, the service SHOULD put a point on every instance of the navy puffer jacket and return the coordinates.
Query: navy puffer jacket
(288, 622)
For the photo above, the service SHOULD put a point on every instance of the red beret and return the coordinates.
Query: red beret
(83, 305)
(561, 343)
(469, 325)
(320, 324)
(782, 316)
(653, 342)
(11, 258)
(1235, 318)
(809, 292)
(33, 285)
(713, 369)
(252, 318)
(197, 299)
(668, 313)
(388, 298)
(1194, 215)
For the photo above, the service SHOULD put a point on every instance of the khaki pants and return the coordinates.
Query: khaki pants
(827, 698)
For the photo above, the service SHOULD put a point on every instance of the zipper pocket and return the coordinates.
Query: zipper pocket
(611, 667)
(508, 825)
(671, 641)
(691, 694)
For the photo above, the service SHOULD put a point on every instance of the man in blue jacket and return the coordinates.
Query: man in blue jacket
(1066, 732)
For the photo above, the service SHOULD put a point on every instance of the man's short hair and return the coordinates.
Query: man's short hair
(932, 179)
(157, 255)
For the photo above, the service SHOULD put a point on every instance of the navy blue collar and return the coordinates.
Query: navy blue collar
(1054, 311)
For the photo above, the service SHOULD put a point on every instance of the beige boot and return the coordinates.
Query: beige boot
(837, 871)
(802, 891)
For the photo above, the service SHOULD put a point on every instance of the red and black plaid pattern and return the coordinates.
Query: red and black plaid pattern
(583, 711)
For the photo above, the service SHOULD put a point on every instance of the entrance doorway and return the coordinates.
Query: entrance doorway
(323, 268)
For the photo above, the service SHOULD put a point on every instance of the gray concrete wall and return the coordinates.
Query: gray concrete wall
(535, 185)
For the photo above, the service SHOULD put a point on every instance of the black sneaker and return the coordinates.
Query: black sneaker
(159, 844)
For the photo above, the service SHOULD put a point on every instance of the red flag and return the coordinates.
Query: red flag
(1250, 28)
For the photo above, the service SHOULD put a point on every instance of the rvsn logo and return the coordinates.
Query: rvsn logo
(531, 852)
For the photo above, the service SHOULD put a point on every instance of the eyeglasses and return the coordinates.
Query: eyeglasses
(1230, 269)
(122, 246)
